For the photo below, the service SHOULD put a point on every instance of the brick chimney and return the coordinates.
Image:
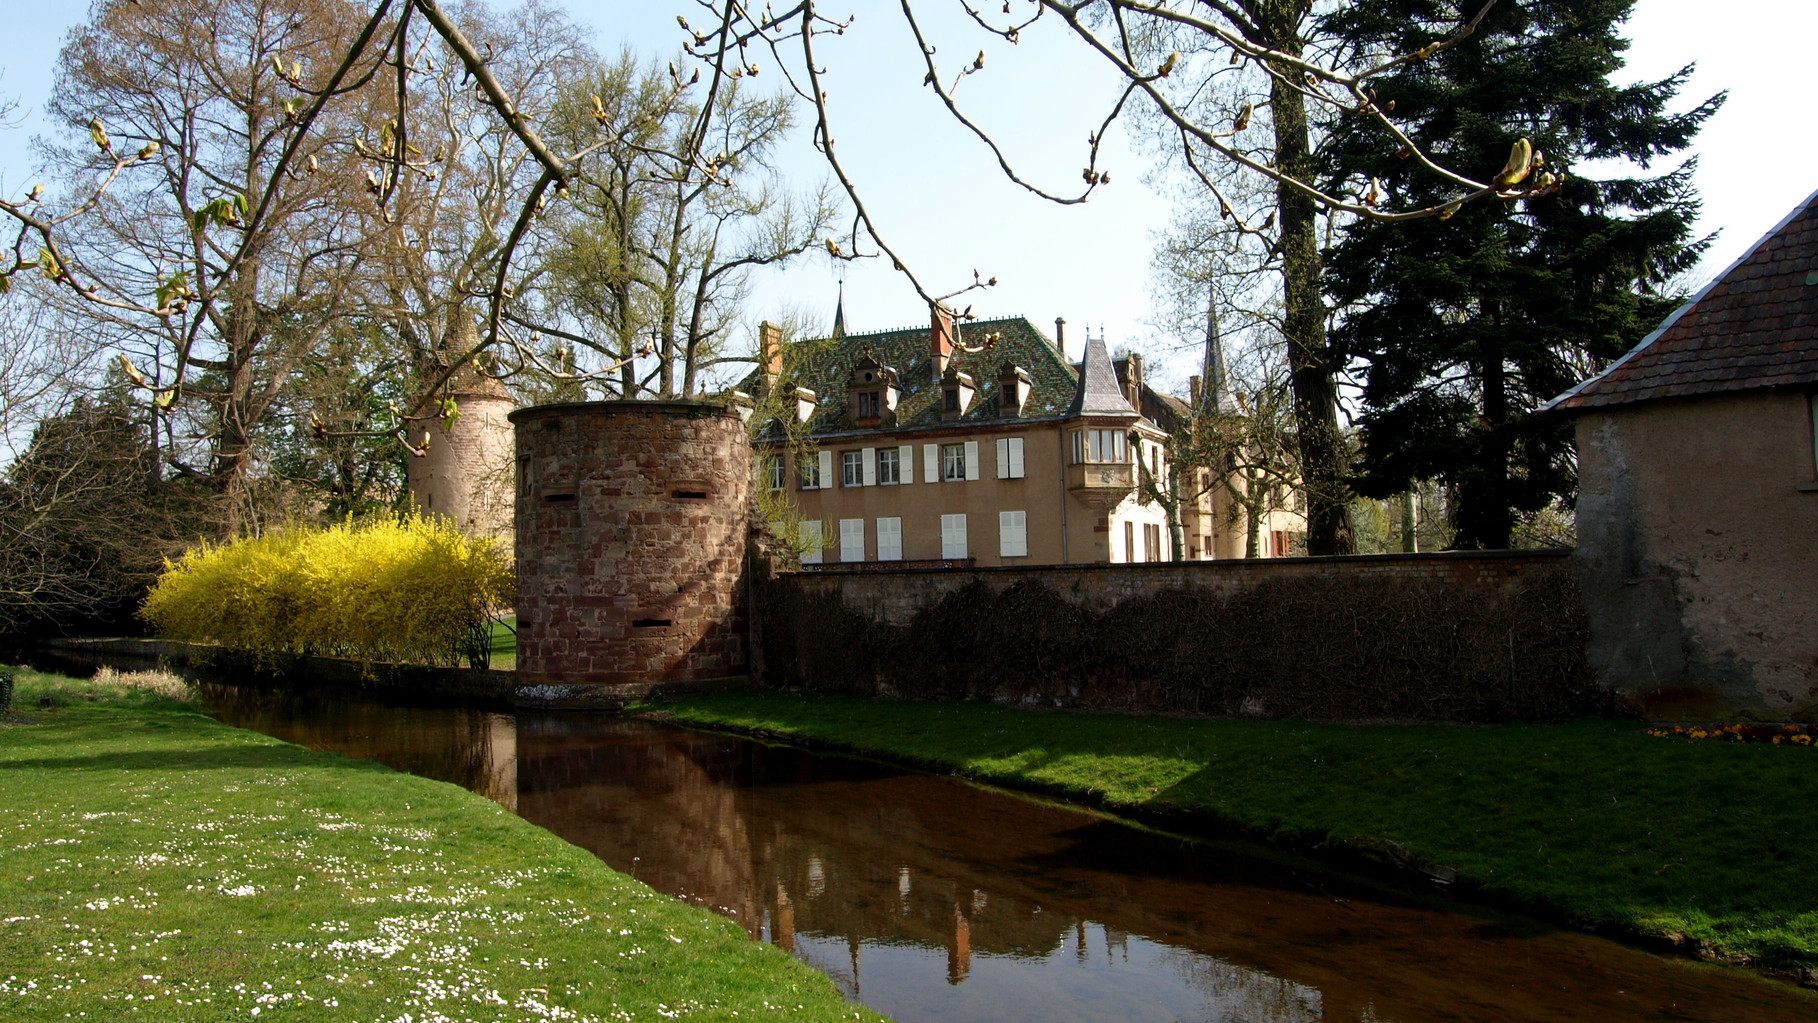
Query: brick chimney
(770, 351)
(940, 337)
(1060, 335)
(1134, 379)
(1195, 384)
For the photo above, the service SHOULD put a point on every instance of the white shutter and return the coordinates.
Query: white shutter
(1012, 534)
(972, 459)
(905, 463)
(890, 539)
(852, 539)
(868, 456)
(811, 541)
(1016, 458)
(953, 536)
(1003, 458)
(931, 463)
(826, 459)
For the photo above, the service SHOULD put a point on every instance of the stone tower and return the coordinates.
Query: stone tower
(631, 534)
(466, 473)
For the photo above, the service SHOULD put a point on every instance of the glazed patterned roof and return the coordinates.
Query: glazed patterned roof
(919, 404)
(1756, 326)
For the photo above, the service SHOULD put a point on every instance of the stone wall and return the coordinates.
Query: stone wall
(465, 475)
(1698, 554)
(1449, 637)
(631, 534)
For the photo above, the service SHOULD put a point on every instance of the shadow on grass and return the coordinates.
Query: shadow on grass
(199, 758)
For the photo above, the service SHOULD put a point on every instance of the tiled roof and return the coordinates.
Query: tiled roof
(1755, 326)
(1101, 395)
(919, 405)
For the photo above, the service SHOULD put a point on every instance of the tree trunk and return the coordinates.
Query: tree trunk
(1323, 456)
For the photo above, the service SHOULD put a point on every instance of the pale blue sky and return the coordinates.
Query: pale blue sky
(940, 198)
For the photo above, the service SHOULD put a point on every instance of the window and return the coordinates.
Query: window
(1152, 542)
(1129, 541)
(1009, 458)
(889, 466)
(953, 463)
(811, 541)
(1012, 534)
(811, 473)
(852, 539)
(868, 405)
(890, 539)
(778, 470)
(951, 402)
(953, 536)
(1098, 446)
(852, 469)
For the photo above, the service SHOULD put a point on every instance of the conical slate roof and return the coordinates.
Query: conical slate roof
(1099, 393)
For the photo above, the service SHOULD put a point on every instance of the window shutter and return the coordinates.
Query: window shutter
(1003, 458)
(811, 539)
(1015, 446)
(905, 463)
(826, 459)
(931, 463)
(868, 458)
(1012, 534)
(972, 459)
(852, 539)
(953, 536)
(890, 539)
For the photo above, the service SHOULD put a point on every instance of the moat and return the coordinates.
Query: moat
(930, 899)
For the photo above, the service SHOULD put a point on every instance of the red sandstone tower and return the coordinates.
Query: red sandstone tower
(631, 531)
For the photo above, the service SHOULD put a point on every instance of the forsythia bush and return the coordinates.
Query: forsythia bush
(403, 589)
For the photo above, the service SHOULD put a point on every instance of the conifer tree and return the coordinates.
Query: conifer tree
(1463, 327)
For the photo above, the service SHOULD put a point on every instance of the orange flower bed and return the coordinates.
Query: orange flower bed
(1779, 735)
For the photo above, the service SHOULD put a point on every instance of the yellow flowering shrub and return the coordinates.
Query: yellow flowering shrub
(406, 589)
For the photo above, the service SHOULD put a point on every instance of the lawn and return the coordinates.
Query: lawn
(1710, 845)
(505, 644)
(161, 865)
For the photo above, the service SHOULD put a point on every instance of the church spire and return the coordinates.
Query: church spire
(839, 312)
(1215, 395)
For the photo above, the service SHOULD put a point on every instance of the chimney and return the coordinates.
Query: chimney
(770, 351)
(940, 337)
(1194, 384)
(1134, 379)
(1060, 335)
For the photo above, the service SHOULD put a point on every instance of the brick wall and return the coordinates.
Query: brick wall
(1450, 636)
(631, 532)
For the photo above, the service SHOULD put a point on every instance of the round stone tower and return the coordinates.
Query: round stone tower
(631, 530)
(465, 474)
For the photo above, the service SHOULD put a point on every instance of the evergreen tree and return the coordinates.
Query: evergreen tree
(1463, 327)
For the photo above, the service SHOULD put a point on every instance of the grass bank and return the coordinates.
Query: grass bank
(161, 865)
(1711, 846)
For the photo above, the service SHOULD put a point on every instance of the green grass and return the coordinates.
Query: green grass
(505, 644)
(1706, 844)
(160, 865)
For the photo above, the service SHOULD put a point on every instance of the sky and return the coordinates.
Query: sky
(939, 198)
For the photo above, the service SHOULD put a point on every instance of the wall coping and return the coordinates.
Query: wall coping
(691, 409)
(1226, 564)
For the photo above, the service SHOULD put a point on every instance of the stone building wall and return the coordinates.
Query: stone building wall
(1698, 553)
(631, 542)
(1450, 636)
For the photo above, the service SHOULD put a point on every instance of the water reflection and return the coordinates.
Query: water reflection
(929, 899)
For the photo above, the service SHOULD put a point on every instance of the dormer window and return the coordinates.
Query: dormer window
(957, 390)
(1013, 387)
(871, 393)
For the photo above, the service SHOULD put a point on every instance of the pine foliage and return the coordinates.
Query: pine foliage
(404, 589)
(1463, 327)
